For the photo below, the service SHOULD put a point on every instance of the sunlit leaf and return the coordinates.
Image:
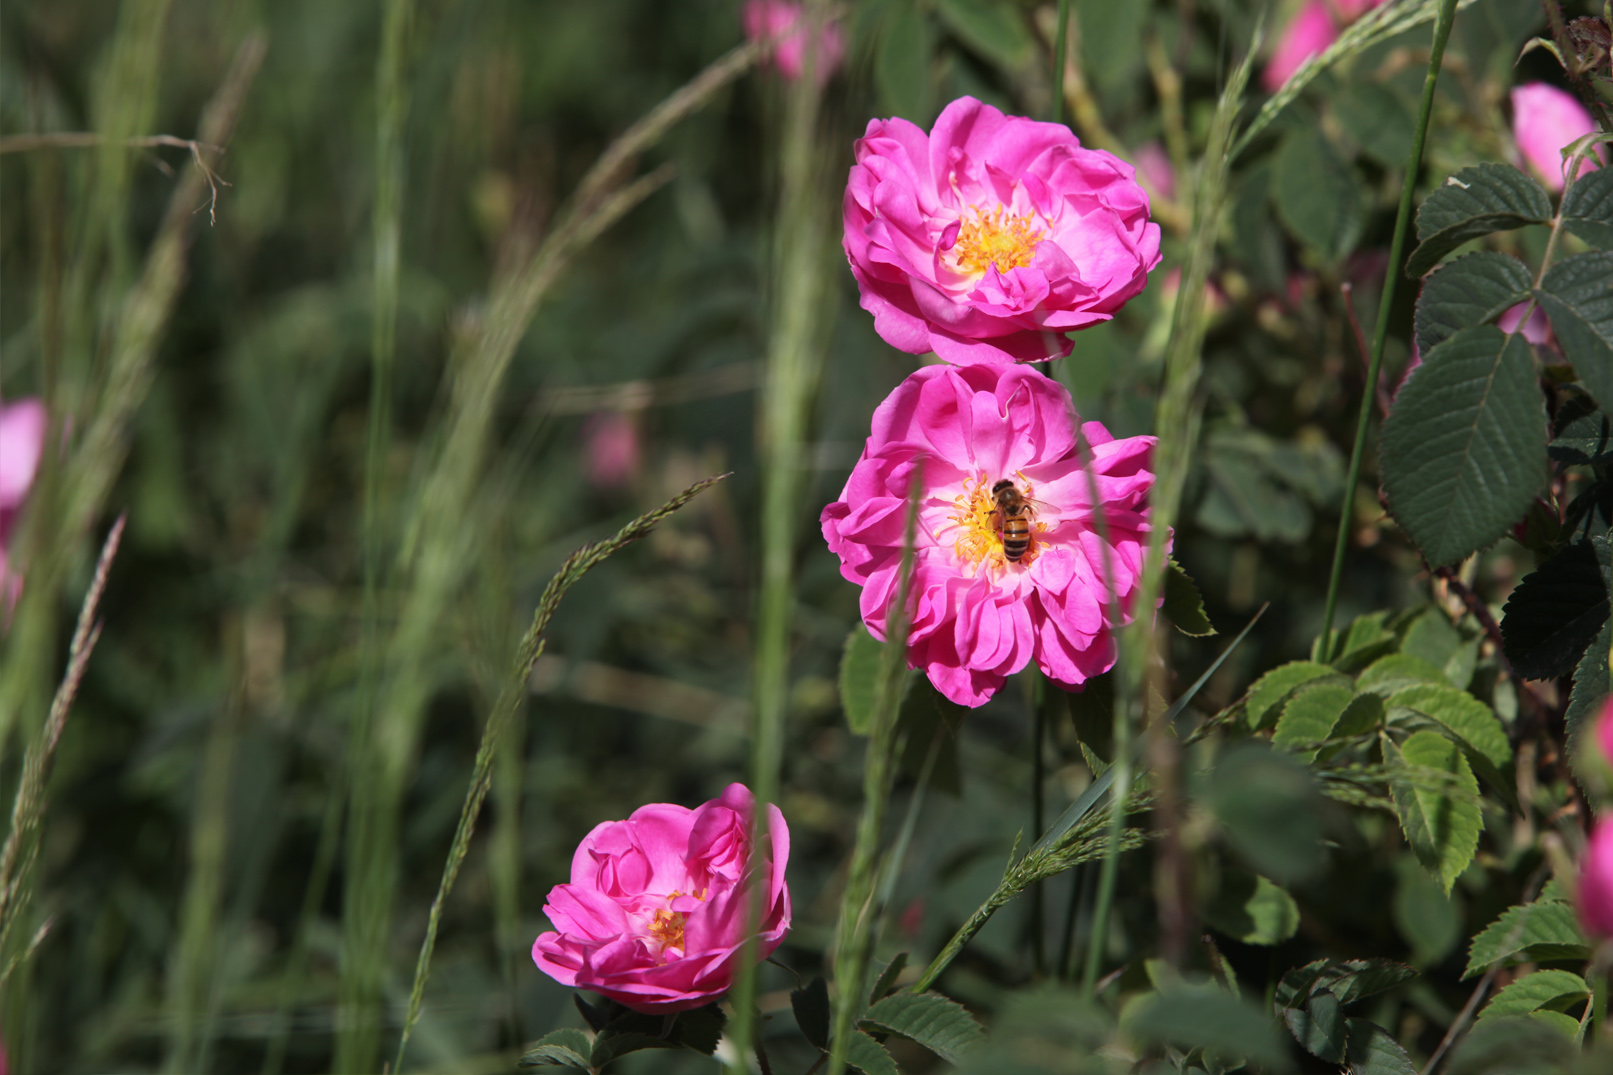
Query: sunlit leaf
(1441, 821)
(1272, 689)
(938, 1023)
(1253, 910)
(1544, 929)
(567, 1047)
(868, 1056)
(1543, 989)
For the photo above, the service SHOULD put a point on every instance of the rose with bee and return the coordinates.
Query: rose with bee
(1010, 562)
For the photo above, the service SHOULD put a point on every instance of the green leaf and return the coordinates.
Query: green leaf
(1507, 1046)
(1092, 713)
(1474, 726)
(1367, 639)
(938, 1023)
(994, 30)
(1311, 713)
(1253, 910)
(1271, 690)
(1475, 202)
(1581, 432)
(1556, 989)
(1432, 638)
(902, 63)
(1552, 615)
(868, 1056)
(567, 1047)
(1544, 929)
(1471, 290)
(1270, 809)
(1379, 120)
(1464, 449)
(699, 1029)
(1587, 208)
(1319, 1026)
(1184, 606)
(1390, 675)
(859, 677)
(1348, 979)
(1205, 1017)
(1441, 819)
(1577, 294)
(608, 1047)
(811, 1007)
(1429, 920)
(1372, 1050)
(1316, 192)
(1590, 687)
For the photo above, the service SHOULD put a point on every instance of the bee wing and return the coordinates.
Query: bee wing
(1042, 507)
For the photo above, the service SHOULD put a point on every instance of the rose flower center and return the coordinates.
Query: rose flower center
(996, 238)
(666, 929)
(980, 529)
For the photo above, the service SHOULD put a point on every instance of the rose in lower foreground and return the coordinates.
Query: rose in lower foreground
(657, 911)
(1593, 897)
(978, 614)
(988, 239)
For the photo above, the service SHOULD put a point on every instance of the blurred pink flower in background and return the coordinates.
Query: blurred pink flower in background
(22, 440)
(1545, 120)
(612, 451)
(1537, 330)
(988, 239)
(657, 909)
(979, 617)
(1154, 165)
(1312, 30)
(1604, 730)
(776, 20)
(1594, 893)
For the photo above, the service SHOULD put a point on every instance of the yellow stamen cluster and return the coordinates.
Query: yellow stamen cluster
(996, 238)
(667, 928)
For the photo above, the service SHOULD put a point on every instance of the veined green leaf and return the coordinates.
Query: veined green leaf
(1543, 989)
(1372, 1050)
(938, 1023)
(1441, 822)
(1577, 294)
(567, 1047)
(1310, 715)
(1544, 929)
(1184, 605)
(1272, 689)
(1348, 979)
(1474, 202)
(1590, 687)
(1471, 290)
(868, 1056)
(1396, 672)
(1587, 208)
(1464, 449)
(1474, 725)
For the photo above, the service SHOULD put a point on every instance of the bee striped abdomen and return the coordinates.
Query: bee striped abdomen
(1015, 516)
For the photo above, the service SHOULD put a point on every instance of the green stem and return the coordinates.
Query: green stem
(1061, 55)
(1380, 331)
(853, 935)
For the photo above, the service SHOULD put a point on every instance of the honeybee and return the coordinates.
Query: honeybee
(1013, 518)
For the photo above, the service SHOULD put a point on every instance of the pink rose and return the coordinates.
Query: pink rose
(979, 614)
(658, 906)
(22, 440)
(1594, 895)
(776, 20)
(1309, 34)
(990, 238)
(1545, 120)
(611, 451)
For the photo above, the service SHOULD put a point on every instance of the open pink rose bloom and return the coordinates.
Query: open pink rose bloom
(1545, 121)
(658, 906)
(992, 236)
(979, 616)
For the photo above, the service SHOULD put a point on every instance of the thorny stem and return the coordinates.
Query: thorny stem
(1380, 335)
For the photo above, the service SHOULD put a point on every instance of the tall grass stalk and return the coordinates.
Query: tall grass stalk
(1380, 331)
(511, 696)
(1176, 422)
(854, 931)
(434, 559)
(800, 318)
(21, 848)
